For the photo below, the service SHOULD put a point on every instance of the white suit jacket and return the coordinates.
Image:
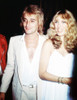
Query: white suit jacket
(14, 66)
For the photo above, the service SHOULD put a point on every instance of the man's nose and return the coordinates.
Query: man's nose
(28, 23)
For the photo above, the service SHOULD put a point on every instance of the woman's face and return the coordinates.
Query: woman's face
(60, 25)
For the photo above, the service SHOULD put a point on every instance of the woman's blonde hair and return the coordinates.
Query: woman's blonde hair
(70, 38)
(34, 9)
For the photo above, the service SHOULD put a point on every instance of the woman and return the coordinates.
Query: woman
(57, 57)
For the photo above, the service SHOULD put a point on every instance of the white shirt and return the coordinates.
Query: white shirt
(30, 69)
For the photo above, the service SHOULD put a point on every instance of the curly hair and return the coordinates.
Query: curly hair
(70, 38)
(34, 9)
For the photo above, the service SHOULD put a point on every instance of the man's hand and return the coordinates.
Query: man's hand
(2, 96)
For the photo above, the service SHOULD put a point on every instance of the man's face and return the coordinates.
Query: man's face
(30, 23)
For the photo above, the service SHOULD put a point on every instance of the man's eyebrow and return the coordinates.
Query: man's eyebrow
(24, 18)
(30, 18)
(33, 19)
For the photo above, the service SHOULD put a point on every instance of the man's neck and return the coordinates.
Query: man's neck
(31, 36)
(31, 40)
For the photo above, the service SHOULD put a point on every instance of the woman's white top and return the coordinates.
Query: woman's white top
(61, 66)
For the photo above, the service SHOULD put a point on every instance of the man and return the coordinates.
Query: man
(23, 57)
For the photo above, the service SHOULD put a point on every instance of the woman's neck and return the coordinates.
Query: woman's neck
(62, 50)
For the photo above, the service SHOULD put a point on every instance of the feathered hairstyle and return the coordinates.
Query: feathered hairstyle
(70, 38)
(34, 9)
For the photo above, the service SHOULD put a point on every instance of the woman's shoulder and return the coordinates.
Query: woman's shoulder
(48, 44)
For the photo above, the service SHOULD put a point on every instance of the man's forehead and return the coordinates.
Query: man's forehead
(30, 15)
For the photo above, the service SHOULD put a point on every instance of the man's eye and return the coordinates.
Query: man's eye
(32, 20)
(24, 20)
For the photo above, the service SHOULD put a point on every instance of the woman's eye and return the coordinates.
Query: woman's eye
(32, 21)
(56, 21)
(63, 21)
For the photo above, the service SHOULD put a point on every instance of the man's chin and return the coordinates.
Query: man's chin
(28, 32)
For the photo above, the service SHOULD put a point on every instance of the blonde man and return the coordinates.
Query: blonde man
(23, 57)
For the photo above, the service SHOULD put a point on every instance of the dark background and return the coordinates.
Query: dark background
(11, 11)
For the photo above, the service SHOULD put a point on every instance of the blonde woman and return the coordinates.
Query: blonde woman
(57, 57)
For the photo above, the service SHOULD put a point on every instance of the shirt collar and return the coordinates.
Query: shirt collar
(22, 38)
